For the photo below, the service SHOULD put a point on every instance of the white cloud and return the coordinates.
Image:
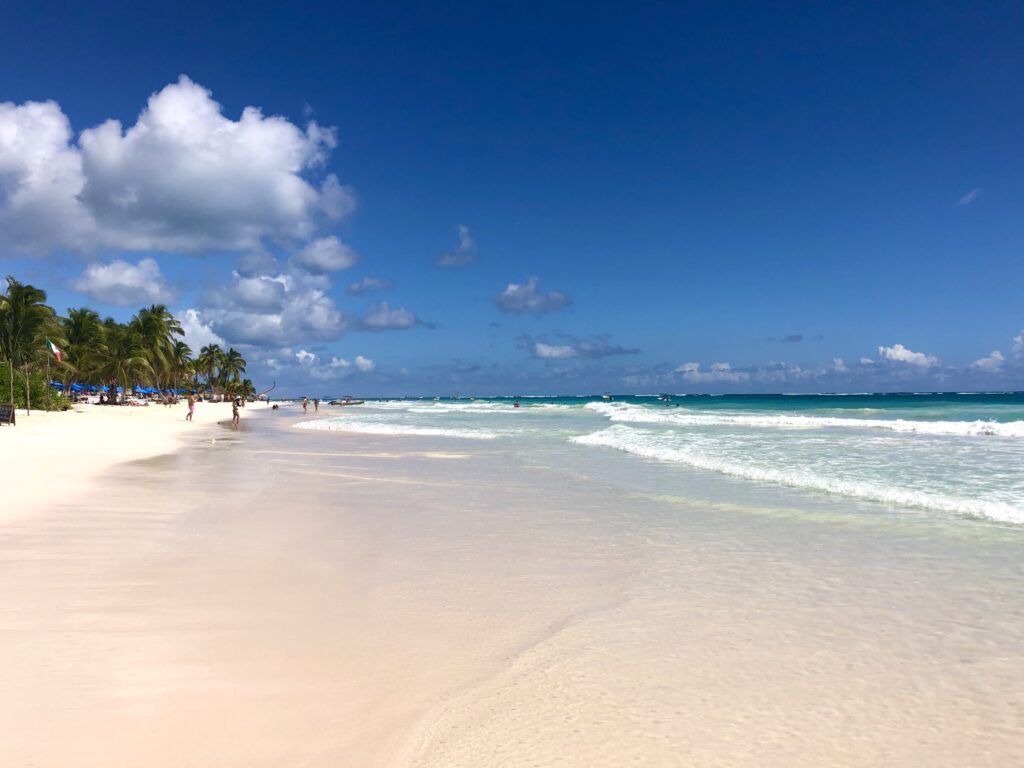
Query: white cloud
(368, 284)
(1018, 344)
(969, 197)
(183, 177)
(381, 317)
(197, 333)
(839, 365)
(692, 373)
(900, 354)
(464, 253)
(272, 310)
(328, 254)
(991, 364)
(522, 298)
(597, 347)
(121, 282)
(553, 352)
(306, 365)
(866, 361)
(40, 179)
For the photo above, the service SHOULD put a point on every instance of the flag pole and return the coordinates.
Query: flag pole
(47, 375)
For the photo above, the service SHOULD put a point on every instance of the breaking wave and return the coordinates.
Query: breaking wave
(648, 445)
(624, 412)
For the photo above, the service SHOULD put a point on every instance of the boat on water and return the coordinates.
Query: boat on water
(606, 396)
(347, 400)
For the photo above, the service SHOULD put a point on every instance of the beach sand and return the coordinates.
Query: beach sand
(57, 455)
(269, 596)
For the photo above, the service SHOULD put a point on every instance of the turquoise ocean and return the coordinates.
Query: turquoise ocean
(931, 458)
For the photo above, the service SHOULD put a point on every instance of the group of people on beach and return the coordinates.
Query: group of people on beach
(236, 403)
(305, 405)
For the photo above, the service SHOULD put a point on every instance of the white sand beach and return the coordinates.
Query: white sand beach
(272, 596)
(56, 456)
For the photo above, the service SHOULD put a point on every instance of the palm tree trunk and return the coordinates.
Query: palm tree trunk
(28, 395)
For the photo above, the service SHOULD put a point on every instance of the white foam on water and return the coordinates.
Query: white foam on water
(626, 412)
(380, 428)
(648, 445)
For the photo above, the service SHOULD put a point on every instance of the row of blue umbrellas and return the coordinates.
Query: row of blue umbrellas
(138, 390)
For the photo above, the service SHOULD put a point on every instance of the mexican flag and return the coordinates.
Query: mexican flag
(53, 348)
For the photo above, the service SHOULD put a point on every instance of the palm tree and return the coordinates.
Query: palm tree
(231, 367)
(209, 362)
(124, 358)
(25, 324)
(83, 333)
(157, 327)
(181, 363)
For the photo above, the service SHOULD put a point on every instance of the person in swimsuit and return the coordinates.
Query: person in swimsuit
(234, 412)
(191, 406)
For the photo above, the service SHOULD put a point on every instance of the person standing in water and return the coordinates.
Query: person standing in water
(316, 405)
(191, 406)
(305, 404)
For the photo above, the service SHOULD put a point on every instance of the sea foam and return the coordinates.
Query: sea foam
(644, 444)
(625, 412)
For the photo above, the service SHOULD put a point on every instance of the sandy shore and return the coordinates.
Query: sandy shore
(58, 456)
(284, 597)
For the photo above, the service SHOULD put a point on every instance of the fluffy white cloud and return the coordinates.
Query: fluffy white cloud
(183, 177)
(272, 310)
(464, 253)
(991, 364)
(900, 354)
(197, 333)
(522, 298)
(40, 179)
(692, 373)
(1018, 345)
(839, 365)
(381, 317)
(308, 365)
(121, 282)
(328, 254)
(368, 284)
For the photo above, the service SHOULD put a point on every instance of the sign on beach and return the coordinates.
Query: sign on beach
(6, 413)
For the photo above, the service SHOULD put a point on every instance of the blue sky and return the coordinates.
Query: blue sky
(685, 197)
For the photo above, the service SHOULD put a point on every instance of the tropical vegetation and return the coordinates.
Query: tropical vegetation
(146, 351)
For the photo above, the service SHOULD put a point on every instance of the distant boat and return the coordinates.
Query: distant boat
(606, 396)
(347, 400)
(665, 398)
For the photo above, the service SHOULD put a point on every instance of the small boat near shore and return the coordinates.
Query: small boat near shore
(347, 400)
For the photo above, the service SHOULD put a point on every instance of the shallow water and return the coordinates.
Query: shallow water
(948, 456)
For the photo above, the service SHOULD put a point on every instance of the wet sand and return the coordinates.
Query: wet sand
(276, 597)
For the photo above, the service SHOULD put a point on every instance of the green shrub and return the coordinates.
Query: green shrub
(41, 400)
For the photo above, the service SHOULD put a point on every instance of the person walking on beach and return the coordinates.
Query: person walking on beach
(234, 412)
(191, 406)
(316, 405)
(305, 404)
